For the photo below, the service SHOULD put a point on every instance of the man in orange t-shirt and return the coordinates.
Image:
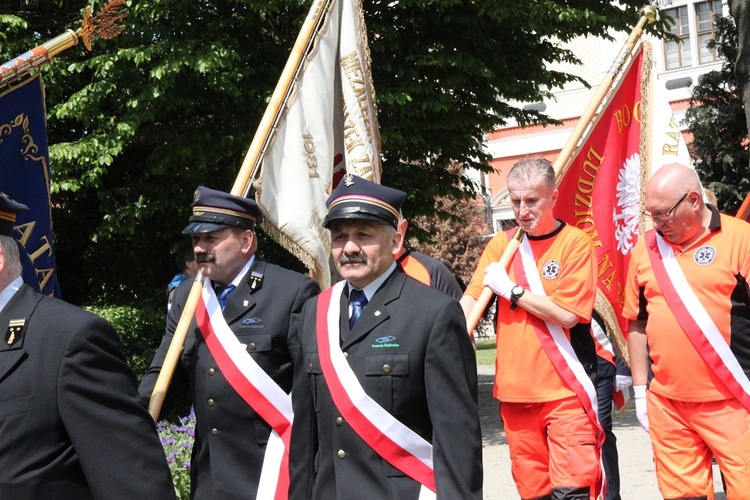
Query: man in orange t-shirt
(552, 438)
(687, 303)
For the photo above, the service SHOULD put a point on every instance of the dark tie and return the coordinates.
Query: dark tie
(358, 301)
(223, 293)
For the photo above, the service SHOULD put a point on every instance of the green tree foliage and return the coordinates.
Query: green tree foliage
(460, 238)
(716, 119)
(173, 102)
(740, 12)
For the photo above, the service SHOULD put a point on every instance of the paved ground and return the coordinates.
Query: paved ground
(636, 459)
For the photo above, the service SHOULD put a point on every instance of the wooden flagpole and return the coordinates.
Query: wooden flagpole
(241, 187)
(647, 15)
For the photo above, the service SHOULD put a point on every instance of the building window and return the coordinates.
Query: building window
(705, 13)
(677, 54)
(503, 225)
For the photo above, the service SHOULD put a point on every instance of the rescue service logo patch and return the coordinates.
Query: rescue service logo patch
(386, 341)
(551, 269)
(251, 323)
(704, 255)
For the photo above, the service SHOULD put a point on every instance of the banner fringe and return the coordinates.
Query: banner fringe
(295, 249)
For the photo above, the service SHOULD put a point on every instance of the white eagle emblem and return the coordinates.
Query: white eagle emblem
(626, 214)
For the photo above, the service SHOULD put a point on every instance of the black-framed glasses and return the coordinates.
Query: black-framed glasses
(668, 213)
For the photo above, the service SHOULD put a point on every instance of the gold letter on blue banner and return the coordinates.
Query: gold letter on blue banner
(24, 176)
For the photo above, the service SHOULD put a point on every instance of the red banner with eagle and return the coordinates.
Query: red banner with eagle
(601, 191)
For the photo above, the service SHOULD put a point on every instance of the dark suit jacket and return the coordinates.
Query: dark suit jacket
(230, 437)
(71, 422)
(431, 387)
(440, 276)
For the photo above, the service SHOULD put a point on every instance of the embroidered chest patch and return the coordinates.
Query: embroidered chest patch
(386, 341)
(253, 322)
(551, 269)
(704, 255)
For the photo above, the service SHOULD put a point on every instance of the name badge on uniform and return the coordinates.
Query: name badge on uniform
(15, 331)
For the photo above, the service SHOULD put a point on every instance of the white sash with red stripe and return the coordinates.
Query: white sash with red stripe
(393, 441)
(559, 350)
(556, 344)
(255, 387)
(695, 320)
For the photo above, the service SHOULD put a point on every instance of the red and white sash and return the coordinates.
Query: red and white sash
(558, 348)
(388, 437)
(619, 398)
(255, 387)
(695, 320)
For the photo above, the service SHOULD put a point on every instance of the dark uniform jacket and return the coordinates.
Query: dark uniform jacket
(71, 422)
(441, 277)
(230, 437)
(430, 386)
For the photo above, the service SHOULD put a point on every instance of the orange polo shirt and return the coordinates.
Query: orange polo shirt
(716, 267)
(566, 262)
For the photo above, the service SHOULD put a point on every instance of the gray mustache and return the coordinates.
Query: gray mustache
(357, 258)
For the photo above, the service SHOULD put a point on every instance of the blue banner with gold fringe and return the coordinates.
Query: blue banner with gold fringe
(24, 176)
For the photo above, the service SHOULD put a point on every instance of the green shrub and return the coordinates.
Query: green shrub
(141, 331)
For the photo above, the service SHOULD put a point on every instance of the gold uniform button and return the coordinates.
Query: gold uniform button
(210, 402)
(386, 368)
(309, 367)
(214, 431)
(339, 421)
(341, 454)
(346, 355)
(251, 346)
(211, 371)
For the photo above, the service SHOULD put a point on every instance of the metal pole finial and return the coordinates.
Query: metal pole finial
(649, 12)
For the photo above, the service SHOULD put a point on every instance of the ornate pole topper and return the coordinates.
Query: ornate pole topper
(103, 25)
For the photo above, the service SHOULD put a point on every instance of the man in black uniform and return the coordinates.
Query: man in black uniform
(262, 312)
(386, 384)
(426, 269)
(71, 422)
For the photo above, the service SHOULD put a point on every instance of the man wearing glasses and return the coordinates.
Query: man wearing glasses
(688, 307)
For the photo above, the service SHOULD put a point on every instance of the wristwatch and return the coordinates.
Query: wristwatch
(516, 293)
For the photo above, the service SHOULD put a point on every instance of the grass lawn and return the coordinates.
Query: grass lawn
(486, 350)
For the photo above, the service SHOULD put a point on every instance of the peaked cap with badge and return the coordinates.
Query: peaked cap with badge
(358, 198)
(215, 210)
(8, 210)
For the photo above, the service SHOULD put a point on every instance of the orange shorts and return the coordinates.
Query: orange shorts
(552, 447)
(686, 435)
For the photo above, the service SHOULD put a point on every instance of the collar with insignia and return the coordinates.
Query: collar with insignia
(256, 280)
(15, 331)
